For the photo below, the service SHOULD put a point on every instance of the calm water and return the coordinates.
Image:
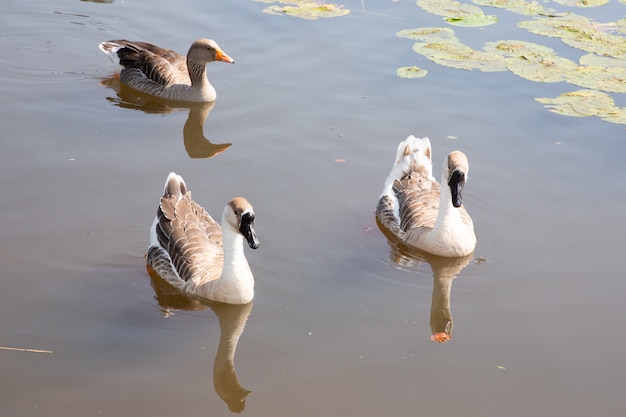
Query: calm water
(341, 322)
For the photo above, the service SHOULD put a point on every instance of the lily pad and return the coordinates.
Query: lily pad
(582, 3)
(472, 20)
(578, 32)
(620, 25)
(612, 79)
(530, 8)
(585, 103)
(432, 34)
(458, 55)
(601, 61)
(532, 61)
(456, 13)
(305, 9)
(411, 72)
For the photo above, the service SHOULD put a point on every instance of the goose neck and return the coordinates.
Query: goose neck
(197, 73)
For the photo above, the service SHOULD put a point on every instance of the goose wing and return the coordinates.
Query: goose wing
(191, 237)
(418, 200)
(160, 65)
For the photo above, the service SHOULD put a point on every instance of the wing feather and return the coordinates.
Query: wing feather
(159, 65)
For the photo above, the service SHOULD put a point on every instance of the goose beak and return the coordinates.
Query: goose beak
(456, 184)
(247, 230)
(221, 56)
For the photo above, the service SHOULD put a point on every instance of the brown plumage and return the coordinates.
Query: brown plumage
(191, 251)
(414, 207)
(163, 72)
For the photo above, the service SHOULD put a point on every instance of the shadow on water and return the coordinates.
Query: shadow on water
(232, 319)
(444, 271)
(196, 144)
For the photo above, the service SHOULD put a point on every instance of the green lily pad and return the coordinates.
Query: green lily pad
(612, 79)
(472, 20)
(427, 35)
(411, 72)
(585, 103)
(620, 25)
(602, 70)
(532, 61)
(601, 61)
(582, 3)
(456, 13)
(305, 9)
(530, 8)
(458, 55)
(578, 32)
(448, 8)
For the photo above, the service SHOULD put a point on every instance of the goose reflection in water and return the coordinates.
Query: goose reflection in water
(232, 319)
(444, 271)
(196, 144)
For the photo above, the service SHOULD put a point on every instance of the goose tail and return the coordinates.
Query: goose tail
(110, 49)
(174, 186)
(412, 153)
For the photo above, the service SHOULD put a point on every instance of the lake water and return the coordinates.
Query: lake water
(341, 322)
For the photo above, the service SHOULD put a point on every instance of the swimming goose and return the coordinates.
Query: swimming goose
(421, 213)
(190, 250)
(165, 73)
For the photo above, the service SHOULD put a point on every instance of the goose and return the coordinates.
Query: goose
(189, 250)
(418, 211)
(165, 73)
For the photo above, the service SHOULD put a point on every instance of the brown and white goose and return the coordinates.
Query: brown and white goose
(190, 250)
(419, 211)
(165, 73)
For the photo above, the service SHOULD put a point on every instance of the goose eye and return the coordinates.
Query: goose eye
(247, 217)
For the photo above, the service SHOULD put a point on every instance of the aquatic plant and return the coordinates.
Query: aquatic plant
(457, 13)
(602, 69)
(305, 9)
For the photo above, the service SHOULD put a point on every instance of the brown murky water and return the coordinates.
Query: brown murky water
(305, 126)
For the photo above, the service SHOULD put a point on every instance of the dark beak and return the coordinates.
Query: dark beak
(456, 184)
(247, 230)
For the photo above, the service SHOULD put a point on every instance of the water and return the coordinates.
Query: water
(313, 112)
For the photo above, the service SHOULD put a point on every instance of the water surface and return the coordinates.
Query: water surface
(341, 322)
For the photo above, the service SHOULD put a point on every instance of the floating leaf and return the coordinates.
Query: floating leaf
(458, 55)
(578, 32)
(472, 20)
(532, 61)
(611, 79)
(603, 69)
(457, 13)
(516, 49)
(305, 9)
(518, 6)
(620, 25)
(448, 8)
(601, 61)
(582, 3)
(433, 34)
(411, 72)
(585, 103)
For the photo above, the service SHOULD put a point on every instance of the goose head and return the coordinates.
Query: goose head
(204, 51)
(455, 169)
(239, 216)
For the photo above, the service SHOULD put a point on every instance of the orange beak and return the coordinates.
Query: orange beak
(441, 337)
(221, 56)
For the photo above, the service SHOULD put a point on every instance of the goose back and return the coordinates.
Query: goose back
(418, 210)
(192, 252)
